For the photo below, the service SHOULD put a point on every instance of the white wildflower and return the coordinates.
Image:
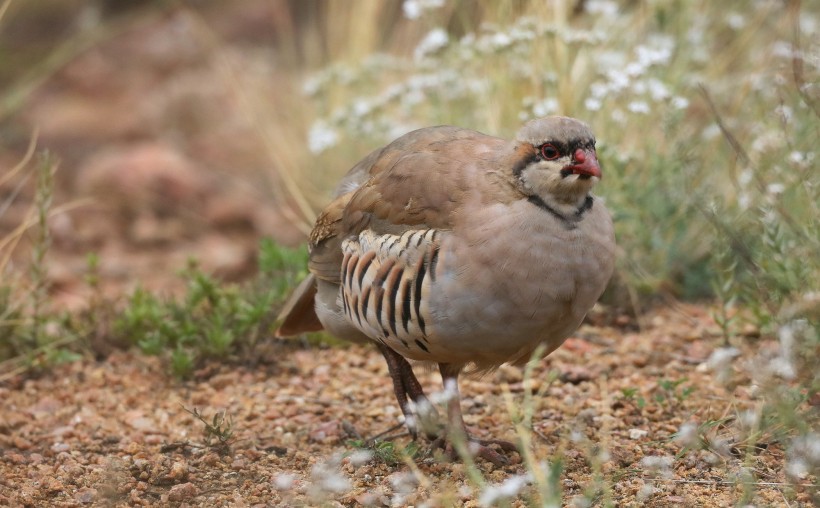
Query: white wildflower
(804, 455)
(635, 69)
(579, 36)
(476, 86)
(647, 491)
(609, 60)
(711, 131)
(782, 367)
(767, 141)
(592, 104)
(657, 52)
(599, 90)
(413, 9)
(545, 107)
(796, 330)
(581, 501)
(403, 482)
(327, 479)
(658, 464)
(640, 107)
(500, 40)
(722, 357)
(744, 200)
(782, 49)
(639, 87)
(635, 434)
(602, 7)
(312, 85)
(360, 457)
(618, 80)
(508, 489)
(809, 24)
(468, 40)
(768, 216)
(696, 33)
(435, 39)
(392, 92)
(362, 107)
(679, 102)
(784, 112)
(749, 418)
(720, 361)
(687, 434)
(774, 189)
(284, 481)
(735, 20)
(745, 177)
(413, 97)
(812, 448)
(657, 90)
(797, 468)
(321, 136)
(796, 157)
(521, 34)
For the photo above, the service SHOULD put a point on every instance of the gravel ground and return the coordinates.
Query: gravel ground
(117, 432)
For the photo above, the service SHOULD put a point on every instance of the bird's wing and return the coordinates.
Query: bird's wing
(416, 182)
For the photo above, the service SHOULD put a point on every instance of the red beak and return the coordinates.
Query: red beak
(585, 163)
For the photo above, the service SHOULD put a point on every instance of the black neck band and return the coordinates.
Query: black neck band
(568, 221)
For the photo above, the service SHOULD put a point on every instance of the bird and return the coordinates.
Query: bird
(456, 248)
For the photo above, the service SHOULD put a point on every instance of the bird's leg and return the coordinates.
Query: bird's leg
(425, 412)
(458, 430)
(405, 384)
(395, 370)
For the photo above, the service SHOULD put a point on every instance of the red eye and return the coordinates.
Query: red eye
(549, 152)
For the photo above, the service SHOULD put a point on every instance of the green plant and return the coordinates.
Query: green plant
(633, 394)
(219, 432)
(212, 320)
(668, 393)
(30, 328)
(387, 451)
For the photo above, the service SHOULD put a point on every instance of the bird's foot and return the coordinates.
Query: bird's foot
(478, 448)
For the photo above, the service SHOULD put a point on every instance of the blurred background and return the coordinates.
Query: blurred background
(167, 130)
(162, 162)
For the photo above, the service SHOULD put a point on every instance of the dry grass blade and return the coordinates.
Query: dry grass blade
(4, 8)
(32, 146)
(736, 145)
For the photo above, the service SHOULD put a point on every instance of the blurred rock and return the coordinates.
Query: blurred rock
(224, 257)
(182, 492)
(147, 180)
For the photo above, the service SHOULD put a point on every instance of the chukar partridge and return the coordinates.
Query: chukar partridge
(461, 249)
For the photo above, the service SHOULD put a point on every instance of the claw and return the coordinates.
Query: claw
(478, 448)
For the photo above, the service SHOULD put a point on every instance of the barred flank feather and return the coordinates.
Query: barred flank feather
(385, 283)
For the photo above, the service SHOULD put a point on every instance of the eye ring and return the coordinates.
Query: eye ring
(549, 152)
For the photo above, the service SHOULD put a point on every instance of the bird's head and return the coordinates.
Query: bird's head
(556, 160)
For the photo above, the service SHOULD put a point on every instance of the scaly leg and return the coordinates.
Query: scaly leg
(458, 430)
(404, 384)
